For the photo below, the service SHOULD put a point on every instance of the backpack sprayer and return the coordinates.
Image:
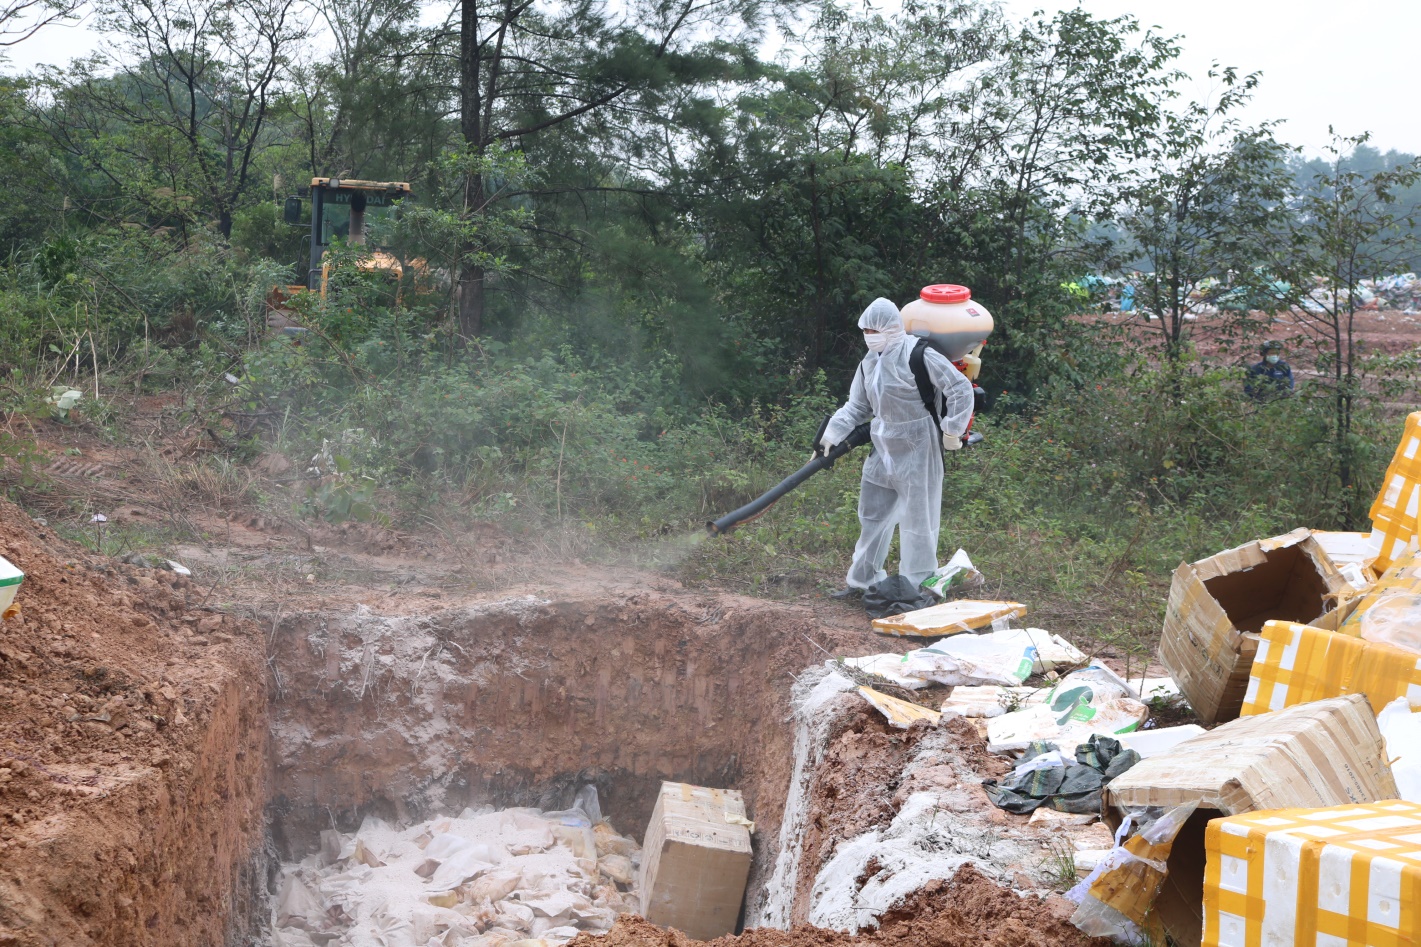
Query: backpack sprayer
(946, 319)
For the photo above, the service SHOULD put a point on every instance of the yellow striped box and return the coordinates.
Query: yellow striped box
(1346, 876)
(1298, 664)
(1398, 506)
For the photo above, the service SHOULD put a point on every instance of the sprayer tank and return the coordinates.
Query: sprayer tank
(948, 318)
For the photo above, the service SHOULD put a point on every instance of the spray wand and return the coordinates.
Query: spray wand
(858, 437)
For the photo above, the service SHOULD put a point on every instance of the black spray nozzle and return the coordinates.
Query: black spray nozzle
(858, 437)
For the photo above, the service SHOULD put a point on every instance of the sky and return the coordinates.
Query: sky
(1346, 63)
(1351, 64)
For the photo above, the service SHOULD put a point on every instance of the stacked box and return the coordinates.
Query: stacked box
(695, 860)
(1395, 511)
(1345, 875)
(1218, 605)
(1297, 664)
(1325, 753)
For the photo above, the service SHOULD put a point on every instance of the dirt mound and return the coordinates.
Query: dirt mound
(967, 911)
(131, 769)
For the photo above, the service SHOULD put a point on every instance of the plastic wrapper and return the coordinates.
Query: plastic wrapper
(1116, 897)
(1394, 619)
(959, 574)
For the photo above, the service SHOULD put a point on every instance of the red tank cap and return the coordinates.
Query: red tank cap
(945, 293)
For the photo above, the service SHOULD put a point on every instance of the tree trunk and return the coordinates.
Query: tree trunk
(470, 281)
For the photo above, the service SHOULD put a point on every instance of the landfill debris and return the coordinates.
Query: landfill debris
(893, 595)
(957, 575)
(64, 399)
(887, 666)
(1091, 700)
(177, 567)
(1394, 512)
(486, 877)
(1394, 619)
(1401, 729)
(1297, 664)
(1325, 753)
(949, 618)
(1159, 689)
(1041, 723)
(990, 700)
(1006, 657)
(1383, 613)
(1346, 874)
(1149, 743)
(899, 713)
(697, 860)
(1045, 776)
(1218, 605)
(10, 580)
(1351, 553)
(1087, 859)
(1117, 898)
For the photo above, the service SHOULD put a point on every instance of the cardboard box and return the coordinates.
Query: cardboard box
(1325, 753)
(1297, 664)
(1398, 504)
(696, 860)
(949, 618)
(1304, 877)
(1351, 553)
(1218, 605)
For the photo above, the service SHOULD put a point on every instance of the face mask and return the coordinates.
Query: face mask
(1272, 360)
(878, 341)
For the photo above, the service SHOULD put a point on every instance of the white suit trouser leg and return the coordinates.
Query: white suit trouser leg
(880, 509)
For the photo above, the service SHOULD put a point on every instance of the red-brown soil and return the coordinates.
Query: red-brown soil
(132, 765)
(967, 911)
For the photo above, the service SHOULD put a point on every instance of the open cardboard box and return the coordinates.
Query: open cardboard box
(1217, 607)
(1326, 753)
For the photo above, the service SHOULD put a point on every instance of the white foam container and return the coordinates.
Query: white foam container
(1149, 743)
(10, 579)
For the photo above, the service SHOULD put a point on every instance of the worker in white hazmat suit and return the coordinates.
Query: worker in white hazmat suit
(902, 478)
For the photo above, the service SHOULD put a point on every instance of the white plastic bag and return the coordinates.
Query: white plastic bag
(1402, 729)
(990, 700)
(1008, 656)
(959, 573)
(1394, 619)
(1018, 730)
(973, 659)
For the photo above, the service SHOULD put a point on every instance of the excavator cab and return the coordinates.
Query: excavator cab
(341, 209)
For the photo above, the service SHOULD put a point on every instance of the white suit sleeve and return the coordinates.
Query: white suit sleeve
(854, 412)
(956, 392)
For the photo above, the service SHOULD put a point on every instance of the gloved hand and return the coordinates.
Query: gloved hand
(951, 441)
(825, 445)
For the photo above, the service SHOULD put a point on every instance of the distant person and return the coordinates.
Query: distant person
(1272, 377)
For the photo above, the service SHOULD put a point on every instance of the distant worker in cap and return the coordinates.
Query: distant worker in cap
(1272, 377)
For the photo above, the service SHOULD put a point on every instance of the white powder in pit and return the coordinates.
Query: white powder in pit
(483, 878)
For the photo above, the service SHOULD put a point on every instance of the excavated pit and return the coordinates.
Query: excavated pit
(519, 701)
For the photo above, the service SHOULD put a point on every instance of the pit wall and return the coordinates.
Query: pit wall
(172, 855)
(520, 701)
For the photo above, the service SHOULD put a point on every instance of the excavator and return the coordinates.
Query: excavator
(341, 209)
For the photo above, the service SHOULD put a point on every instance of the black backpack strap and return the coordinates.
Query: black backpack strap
(931, 399)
